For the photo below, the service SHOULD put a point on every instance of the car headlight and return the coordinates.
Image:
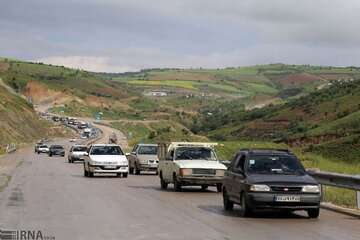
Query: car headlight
(220, 173)
(259, 188)
(185, 171)
(311, 189)
(95, 163)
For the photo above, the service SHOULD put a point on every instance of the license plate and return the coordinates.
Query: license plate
(109, 167)
(287, 198)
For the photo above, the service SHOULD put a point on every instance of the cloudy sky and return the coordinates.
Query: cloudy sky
(127, 35)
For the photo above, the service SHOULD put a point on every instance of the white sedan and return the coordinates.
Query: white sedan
(105, 158)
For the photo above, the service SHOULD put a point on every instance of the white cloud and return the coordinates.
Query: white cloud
(123, 35)
(94, 64)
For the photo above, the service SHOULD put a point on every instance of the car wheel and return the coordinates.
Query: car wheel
(204, 187)
(50, 155)
(86, 174)
(118, 175)
(131, 170)
(137, 171)
(125, 175)
(228, 204)
(163, 184)
(177, 184)
(91, 174)
(313, 213)
(245, 209)
(219, 187)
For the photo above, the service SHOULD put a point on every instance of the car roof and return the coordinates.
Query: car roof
(147, 144)
(266, 151)
(103, 144)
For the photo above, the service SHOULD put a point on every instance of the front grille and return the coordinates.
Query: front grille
(286, 189)
(200, 171)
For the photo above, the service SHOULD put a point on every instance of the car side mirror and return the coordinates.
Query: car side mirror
(86, 154)
(133, 153)
(127, 154)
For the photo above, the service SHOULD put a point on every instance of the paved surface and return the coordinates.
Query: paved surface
(52, 195)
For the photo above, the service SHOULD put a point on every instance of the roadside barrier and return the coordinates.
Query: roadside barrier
(11, 148)
(338, 180)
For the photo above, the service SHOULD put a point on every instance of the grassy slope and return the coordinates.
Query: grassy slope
(326, 122)
(19, 123)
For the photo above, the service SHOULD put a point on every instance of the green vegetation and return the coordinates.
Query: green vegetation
(155, 131)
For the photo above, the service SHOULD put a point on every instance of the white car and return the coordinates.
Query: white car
(105, 158)
(42, 149)
(190, 164)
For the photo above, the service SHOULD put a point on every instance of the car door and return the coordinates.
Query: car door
(230, 176)
(238, 179)
(87, 157)
(132, 157)
(168, 165)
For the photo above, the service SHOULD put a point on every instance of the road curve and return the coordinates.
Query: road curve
(52, 195)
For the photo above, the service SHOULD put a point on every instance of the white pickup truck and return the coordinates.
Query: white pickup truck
(190, 164)
(105, 158)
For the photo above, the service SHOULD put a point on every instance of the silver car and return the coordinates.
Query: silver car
(143, 158)
(77, 153)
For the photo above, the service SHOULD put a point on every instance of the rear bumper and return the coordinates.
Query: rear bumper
(57, 153)
(77, 158)
(193, 181)
(148, 167)
(102, 169)
(267, 201)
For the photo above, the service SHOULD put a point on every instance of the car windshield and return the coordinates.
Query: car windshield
(274, 164)
(195, 153)
(43, 146)
(80, 149)
(150, 150)
(106, 150)
(57, 147)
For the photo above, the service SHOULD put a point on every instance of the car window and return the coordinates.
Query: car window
(134, 149)
(240, 162)
(79, 149)
(274, 164)
(150, 150)
(106, 150)
(195, 153)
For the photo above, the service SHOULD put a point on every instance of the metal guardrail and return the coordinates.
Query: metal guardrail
(11, 148)
(351, 182)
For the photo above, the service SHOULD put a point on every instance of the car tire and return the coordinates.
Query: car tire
(313, 213)
(136, 170)
(131, 170)
(204, 187)
(91, 174)
(177, 184)
(228, 204)
(86, 174)
(219, 187)
(245, 208)
(118, 175)
(50, 155)
(125, 175)
(163, 184)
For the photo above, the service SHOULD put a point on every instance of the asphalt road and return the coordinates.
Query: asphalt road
(52, 195)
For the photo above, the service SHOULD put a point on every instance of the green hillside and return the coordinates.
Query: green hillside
(326, 122)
